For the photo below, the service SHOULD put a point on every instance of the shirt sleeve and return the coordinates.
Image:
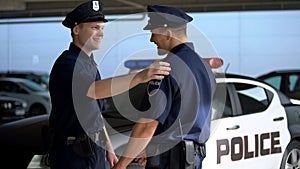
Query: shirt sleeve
(158, 99)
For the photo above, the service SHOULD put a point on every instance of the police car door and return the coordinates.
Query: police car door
(252, 132)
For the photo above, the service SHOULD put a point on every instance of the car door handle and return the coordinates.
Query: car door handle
(233, 127)
(278, 119)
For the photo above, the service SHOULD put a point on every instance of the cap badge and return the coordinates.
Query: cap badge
(96, 5)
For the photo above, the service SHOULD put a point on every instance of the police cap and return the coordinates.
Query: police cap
(86, 12)
(166, 17)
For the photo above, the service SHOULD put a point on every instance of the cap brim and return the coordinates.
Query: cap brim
(147, 27)
(94, 19)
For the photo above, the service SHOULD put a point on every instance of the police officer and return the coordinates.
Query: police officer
(79, 136)
(177, 124)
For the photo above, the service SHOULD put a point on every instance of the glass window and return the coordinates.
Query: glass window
(294, 84)
(9, 87)
(274, 81)
(253, 99)
(33, 86)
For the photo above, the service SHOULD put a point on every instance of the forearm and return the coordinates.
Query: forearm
(108, 145)
(117, 85)
(112, 86)
(140, 137)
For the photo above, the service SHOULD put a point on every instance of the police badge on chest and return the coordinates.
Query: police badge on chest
(153, 87)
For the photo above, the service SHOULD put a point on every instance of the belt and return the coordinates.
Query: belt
(97, 137)
(73, 140)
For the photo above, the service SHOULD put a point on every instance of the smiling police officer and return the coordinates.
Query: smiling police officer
(79, 135)
(177, 125)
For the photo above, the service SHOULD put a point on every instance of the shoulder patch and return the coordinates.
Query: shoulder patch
(153, 86)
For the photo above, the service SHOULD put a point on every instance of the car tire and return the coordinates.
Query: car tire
(291, 156)
(37, 109)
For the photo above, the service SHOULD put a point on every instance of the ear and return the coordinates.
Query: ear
(169, 34)
(76, 30)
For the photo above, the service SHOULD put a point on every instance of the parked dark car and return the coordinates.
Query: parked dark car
(41, 78)
(11, 109)
(287, 81)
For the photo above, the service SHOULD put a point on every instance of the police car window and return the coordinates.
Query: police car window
(294, 85)
(253, 99)
(274, 81)
(221, 106)
(8, 87)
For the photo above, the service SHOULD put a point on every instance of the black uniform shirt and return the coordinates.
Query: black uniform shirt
(72, 111)
(186, 95)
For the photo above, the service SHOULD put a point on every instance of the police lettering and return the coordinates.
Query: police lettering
(238, 147)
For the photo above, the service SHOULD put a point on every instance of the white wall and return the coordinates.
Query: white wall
(252, 42)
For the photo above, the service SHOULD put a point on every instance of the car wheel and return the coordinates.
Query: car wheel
(37, 109)
(291, 157)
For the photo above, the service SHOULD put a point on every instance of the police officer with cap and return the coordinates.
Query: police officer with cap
(79, 137)
(173, 131)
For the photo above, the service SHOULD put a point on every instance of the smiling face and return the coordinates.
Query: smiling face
(88, 36)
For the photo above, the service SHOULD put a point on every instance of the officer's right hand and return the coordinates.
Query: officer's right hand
(157, 70)
(141, 159)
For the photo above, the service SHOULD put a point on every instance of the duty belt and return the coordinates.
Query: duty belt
(97, 137)
(73, 140)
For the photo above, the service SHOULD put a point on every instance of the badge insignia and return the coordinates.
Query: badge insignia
(153, 87)
(96, 5)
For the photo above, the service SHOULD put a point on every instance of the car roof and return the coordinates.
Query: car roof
(283, 98)
(232, 75)
(283, 71)
(14, 79)
(23, 72)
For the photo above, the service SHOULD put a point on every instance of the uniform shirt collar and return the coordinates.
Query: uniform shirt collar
(81, 54)
(182, 45)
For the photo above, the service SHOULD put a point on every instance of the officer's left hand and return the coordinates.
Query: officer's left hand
(157, 70)
(112, 158)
